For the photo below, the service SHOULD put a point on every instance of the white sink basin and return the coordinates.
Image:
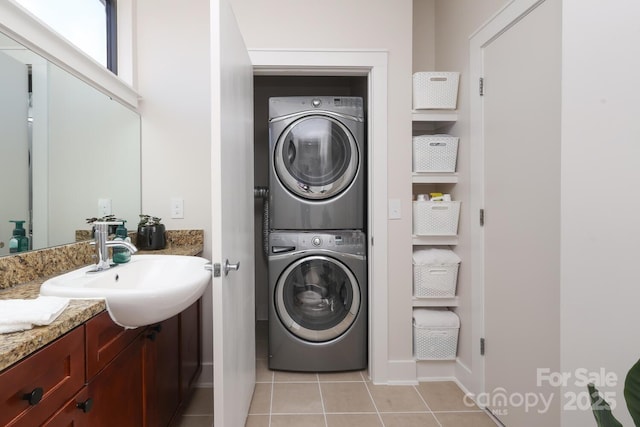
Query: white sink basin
(146, 290)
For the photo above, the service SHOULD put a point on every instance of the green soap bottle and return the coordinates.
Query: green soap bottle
(121, 255)
(19, 241)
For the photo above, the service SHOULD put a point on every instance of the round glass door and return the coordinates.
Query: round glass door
(317, 298)
(316, 157)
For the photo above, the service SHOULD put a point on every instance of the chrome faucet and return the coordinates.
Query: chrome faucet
(101, 234)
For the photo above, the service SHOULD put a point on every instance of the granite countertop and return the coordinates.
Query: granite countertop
(17, 345)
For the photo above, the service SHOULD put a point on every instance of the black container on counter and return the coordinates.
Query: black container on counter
(151, 237)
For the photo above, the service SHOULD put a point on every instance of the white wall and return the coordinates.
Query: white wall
(424, 35)
(172, 54)
(358, 24)
(600, 172)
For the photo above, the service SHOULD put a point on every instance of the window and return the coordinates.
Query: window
(88, 24)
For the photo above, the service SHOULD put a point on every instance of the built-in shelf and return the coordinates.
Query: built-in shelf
(434, 178)
(432, 120)
(435, 302)
(434, 115)
(435, 240)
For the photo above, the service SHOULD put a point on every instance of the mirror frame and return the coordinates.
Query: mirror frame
(20, 25)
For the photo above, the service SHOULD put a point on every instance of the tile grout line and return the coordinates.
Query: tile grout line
(427, 405)
(373, 401)
(271, 399)
(324, 411)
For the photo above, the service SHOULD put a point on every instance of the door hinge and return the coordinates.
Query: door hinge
(216, 269)
(482, 346)
(481, 217)
(481, 84)
(371, 240)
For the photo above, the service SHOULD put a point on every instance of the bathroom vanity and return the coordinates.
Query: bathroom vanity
(84, 370)
(100, 374)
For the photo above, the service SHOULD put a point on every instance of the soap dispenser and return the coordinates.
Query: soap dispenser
(121, 255)
(19, 241)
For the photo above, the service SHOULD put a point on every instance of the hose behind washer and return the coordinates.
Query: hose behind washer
(263, 193)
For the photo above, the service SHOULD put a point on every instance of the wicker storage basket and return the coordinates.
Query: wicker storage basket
(435, 218)
(435, 281)
(435, 334)
(435, 90)
(435, 153)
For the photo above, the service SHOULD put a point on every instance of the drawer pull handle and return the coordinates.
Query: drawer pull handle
(34, 397)
(86, 405)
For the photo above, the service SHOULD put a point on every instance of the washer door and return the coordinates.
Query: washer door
(317, 298)
(316, 157)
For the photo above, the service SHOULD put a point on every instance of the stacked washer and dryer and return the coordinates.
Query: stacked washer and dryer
(317, 245)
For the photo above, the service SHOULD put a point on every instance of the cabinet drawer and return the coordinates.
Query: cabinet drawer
(50, 377)
(75, 413)
(105, 340)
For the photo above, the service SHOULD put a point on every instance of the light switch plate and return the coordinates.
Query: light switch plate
(395, 211)
(177, 208)
(104, 207)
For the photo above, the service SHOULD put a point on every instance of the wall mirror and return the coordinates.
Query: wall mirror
(67, 151)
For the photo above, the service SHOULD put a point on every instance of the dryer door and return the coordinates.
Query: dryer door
(317, 298)
(316, 157)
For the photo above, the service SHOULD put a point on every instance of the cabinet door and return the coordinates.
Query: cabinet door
(117, 390)
(38, 386)
(162, 372)
(190, 348)
(105, 340)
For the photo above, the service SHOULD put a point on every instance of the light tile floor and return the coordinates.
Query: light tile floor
(348, 399)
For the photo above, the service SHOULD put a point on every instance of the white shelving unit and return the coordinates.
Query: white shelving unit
(431, 122)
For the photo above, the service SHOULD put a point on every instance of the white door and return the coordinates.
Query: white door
(522, 215)
(232, 212)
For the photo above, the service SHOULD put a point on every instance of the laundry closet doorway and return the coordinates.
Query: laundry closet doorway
(350, 73)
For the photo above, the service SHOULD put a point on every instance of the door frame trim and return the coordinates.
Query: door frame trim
(373, 64)
(508, 16)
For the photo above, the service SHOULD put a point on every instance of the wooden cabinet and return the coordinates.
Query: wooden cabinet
(38, 386)
(170, 369)
(162, 371)
(75, 413)
(190, 348)
(117, 391)
(100, 374)
(104, 340)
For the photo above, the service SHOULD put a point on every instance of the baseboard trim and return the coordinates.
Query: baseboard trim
(401, 372)
(206, 376)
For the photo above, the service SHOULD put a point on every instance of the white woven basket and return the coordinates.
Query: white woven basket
(435, 90)
(435, 281)
(435, 343)
(435, 333)
(435, 153)
(435, 218)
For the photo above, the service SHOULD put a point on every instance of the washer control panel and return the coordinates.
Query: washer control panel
(347, 241)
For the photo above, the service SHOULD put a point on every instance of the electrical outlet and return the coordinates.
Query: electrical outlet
(104, 207)
(177, 208)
